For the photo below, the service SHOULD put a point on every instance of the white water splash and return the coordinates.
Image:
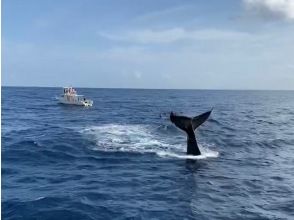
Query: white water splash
(204, 155)
(139, 138)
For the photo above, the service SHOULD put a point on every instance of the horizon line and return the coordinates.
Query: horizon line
(134, 88)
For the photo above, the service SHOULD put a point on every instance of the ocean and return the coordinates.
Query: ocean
(124, 159)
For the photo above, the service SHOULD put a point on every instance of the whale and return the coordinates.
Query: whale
(189, 125)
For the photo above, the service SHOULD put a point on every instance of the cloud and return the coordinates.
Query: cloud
(271, 8)
(172, 35)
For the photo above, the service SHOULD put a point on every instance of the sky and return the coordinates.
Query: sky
(161, 44)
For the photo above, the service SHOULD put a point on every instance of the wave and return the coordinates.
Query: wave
(141, 139)
(47, 208)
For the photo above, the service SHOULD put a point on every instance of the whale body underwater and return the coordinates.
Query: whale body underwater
(189, 125)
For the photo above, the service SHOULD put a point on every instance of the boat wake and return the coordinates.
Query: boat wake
(141, 139)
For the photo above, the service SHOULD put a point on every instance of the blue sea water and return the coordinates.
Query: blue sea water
(123, 159)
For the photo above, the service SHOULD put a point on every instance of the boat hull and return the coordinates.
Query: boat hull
(75, 102)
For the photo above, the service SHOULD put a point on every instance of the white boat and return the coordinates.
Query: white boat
(70, 97)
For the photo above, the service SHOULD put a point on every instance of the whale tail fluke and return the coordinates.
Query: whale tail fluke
(181, 122)
(189, 125)
(200, 119)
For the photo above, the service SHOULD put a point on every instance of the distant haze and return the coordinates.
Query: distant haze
(204, 44)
